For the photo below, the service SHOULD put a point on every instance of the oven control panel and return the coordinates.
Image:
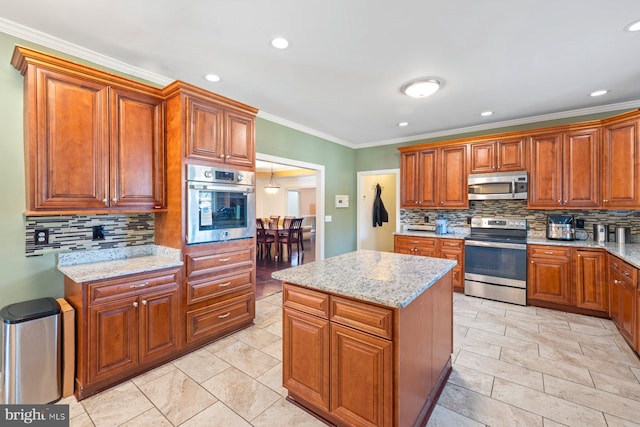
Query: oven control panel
(505, 223)
(212, 175)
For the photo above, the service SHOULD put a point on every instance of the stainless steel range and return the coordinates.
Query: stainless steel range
(495, 259)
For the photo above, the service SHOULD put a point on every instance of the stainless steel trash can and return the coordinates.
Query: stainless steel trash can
(31, 368)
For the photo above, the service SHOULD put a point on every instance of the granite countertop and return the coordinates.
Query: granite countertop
(86, 266)
(629, 252)
(422, 233)
(386, 278)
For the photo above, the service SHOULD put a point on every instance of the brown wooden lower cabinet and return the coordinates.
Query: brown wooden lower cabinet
(590, 279)
(360, 364)
(623, 297)
(435, 247)
(124, 326)
(549, 274)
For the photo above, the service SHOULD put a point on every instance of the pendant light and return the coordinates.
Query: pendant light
(272, 187)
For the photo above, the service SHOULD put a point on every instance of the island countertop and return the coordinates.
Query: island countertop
(385, 278)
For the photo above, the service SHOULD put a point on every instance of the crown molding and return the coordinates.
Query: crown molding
(293, 125)
(47, 40)
(507, 123)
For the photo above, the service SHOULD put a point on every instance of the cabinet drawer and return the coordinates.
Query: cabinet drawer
(549, 251)
(123, 287)
(218, 318)
(425, 242)
(305, 300)
(451, 244)
(627, 272)
(218, 263)
(364, 317)
(212, 287)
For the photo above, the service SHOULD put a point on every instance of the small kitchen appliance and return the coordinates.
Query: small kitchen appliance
(441, 224)
(560, 227)
(601, 233)
(623, 235)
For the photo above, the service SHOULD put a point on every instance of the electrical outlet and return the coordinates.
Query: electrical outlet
(579, 223)
(98, 232)
(41, 236)
(426, 218)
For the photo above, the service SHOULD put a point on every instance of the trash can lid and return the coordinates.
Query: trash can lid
(29, 310)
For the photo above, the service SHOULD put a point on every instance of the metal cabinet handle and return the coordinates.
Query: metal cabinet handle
(222, 285)
(115, 200)
(616, 281)
(222, 156)
(222, 316)
(135, 304)
(626, 273)
(606, 201)
(144, 302)
(139, 285)
(532, 262)
(106, 202)
(224, 259)
(227, 156)
(549, 252)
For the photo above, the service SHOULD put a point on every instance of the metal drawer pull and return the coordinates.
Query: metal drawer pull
(139, 285)
(135, 303)
(144, 302)
(626, 273)
(222, 285)
(225, 259)
(222, 316)
(616, 281)
(549, 252)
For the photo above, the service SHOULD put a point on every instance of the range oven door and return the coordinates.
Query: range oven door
(219, 212)
(496, 263)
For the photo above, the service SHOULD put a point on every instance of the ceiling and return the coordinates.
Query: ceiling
(341, 76)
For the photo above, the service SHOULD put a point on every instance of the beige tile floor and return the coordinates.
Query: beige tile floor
(512, 366)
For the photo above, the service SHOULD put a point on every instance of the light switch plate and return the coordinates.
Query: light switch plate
(327, 218)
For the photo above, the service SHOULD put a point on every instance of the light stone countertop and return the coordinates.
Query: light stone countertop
(458, 234)
(108, 263)
(385, 278)
(629, 252)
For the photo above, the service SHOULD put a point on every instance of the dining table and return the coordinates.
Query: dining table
(273, 229)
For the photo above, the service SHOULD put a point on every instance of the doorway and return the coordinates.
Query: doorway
(315, 188)
(379, 238)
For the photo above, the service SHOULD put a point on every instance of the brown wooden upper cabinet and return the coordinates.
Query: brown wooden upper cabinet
(434, 177)
(565, 169)
(497, 156)
(219, 134)
(93, 141)
(621, 163)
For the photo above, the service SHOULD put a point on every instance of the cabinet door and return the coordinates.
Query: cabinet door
(67, 135)
(305, 365)
(590, 280)
(621, 166)
(137, 151)
(113, 338)
(239, 139)
(418, 179)
(627, 310)
(158, 324)
(204, 130)
(409, 195)
(545, 180)
(615, 284)
(361, 377)
(453, 177)
(581, 169)
(483, 157)
(549, 280)
(511, 155)
(454, 249)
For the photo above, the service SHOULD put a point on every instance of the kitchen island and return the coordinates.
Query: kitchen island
(368, 336)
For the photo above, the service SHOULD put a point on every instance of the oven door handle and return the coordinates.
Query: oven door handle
(500, 245)
(231, 188)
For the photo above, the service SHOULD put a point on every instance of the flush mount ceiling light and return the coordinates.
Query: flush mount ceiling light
(212, 77)
(403, 124)
(486, 113)
(272, 187)
(280, 43)
(634, 26)
(421, 88)
(599, 93)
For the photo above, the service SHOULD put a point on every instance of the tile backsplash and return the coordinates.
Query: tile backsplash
(537, 219)
(75, 232)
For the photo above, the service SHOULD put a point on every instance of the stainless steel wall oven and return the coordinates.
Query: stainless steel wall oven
(495, 260)
(220, 204)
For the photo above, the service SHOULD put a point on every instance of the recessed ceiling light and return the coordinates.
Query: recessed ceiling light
(598, 93)
(634, 26)
(486, 113)
(403, 124)
(421, 88)
(212, 77)
(280, 43)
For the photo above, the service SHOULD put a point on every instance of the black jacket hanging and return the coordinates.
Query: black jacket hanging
(380, 214)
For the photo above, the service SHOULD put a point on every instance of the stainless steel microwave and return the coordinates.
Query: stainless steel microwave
(498, 186)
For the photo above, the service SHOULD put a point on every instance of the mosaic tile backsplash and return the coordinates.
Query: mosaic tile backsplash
(75, 232)
(536, 219)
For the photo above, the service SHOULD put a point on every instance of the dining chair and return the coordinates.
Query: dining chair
(274, 221)
(292, 235)
(263, 239)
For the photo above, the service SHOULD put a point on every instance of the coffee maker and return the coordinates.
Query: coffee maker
(561, 227)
